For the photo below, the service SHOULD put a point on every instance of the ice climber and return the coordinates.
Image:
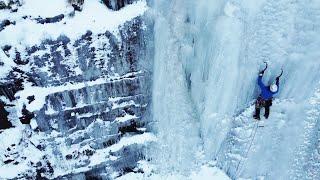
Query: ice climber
(265, 98)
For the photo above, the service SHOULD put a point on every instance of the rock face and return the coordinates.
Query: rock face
(96, 94)
(10, 4)
(91, 58)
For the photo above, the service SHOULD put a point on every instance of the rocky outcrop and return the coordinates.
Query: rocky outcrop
(10, 4)
(5, 23)
(50, 19)
(111, 81)
(4, 122)
(117, 4)
(91, 94)
(77, 4)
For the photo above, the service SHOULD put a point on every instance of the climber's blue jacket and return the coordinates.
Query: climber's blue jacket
(266, 94)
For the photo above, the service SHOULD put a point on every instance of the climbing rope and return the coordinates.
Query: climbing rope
(254, 131)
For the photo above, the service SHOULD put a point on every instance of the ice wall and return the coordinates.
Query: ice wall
(208, 55)
(175, 116)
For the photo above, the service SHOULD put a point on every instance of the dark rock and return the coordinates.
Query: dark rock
(39, 164)
(44, 170)
(4, 121)
(93, 177)
(8, 161)
(77, 4)
(30, 98)
(128, 169)
(117, 4)
(40, 147)
(110, 142)
(6, 23)
(68, 156)
(12, 5)
(51, 170)
(88, 152)
(132, 127)
(26, 116)
(2, 5)
(9, 89)
(20, 61)
(54, 19)
(6, 48)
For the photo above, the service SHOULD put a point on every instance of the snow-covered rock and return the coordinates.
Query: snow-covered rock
(62, 70)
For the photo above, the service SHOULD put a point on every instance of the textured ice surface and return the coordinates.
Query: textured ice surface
(207, 57)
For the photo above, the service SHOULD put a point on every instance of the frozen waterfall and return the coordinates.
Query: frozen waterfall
(207, 57)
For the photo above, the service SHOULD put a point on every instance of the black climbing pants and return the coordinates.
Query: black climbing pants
(260, 102)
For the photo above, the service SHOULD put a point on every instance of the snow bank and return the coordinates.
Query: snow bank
(47, 8)
(205, 173)
(125, 118)
(137, 139)
(8, 137)
(14, 144)
(7, 64)
(95, 17)
(209, 173)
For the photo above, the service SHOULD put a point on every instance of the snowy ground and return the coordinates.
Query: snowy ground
(205, 172)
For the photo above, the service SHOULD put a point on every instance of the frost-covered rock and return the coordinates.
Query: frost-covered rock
(77, 4)
(84, 94)
(117, 4)
(10, 4)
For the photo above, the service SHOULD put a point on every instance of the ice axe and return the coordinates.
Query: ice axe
(262, 72)
(280, 74)
(278, 77)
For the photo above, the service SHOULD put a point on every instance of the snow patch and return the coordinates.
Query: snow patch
(205, 173)
(95, 17)
(47, 8)
(230, 9)
(33, 124)
(126, 118)
(137, 139)
(7, 64)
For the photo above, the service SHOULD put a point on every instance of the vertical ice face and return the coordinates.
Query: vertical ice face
(215, 84)
(208, 55)
(175, 116)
